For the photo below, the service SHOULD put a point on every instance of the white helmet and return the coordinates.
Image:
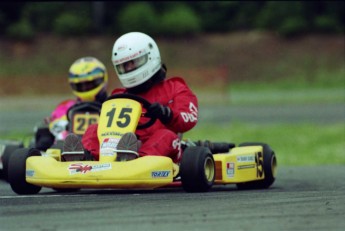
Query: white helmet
(136, 58)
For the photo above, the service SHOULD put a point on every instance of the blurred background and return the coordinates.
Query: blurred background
(277, 63)
(235, 41)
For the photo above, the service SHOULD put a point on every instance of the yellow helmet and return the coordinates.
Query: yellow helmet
(88, 78)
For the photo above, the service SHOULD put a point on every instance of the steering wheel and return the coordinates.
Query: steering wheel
(84, 106)
(146, 104)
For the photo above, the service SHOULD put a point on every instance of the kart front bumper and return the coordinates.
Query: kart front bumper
(145, 173)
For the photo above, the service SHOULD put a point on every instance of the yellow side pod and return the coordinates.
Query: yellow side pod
(241, 164)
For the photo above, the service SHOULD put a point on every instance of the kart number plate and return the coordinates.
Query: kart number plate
(82, 121)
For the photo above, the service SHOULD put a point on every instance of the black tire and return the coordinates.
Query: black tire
(197, 169)
(9, 149)
(269, 167)
(17, 171)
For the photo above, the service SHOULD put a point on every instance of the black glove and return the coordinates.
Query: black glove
(157, 110)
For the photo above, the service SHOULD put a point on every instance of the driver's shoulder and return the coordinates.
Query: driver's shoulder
(66, 103)
(176, 80)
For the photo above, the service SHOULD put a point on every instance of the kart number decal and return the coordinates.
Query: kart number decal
(82, 121)
(118, 116)
(124, 118)
(259, 159)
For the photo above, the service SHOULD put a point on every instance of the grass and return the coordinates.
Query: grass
(294, 144)
(323, 88)
(247, 95)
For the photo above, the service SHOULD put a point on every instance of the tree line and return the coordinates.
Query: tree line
(26, 20)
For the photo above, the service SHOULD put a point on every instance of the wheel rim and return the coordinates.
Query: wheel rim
(209, 169)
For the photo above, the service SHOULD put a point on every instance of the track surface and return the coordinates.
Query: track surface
(302, 198)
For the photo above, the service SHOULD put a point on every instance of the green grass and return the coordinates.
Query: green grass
(323, 88)
(288, 96)
(274, 96)
(294, 144)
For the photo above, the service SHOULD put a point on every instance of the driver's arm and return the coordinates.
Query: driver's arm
(184, 108)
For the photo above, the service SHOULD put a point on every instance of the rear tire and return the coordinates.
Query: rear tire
(197, 169)
(17, 171)
(9, 149)
(269, 167)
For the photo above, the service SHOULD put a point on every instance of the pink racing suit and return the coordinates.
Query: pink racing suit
(62, 108)
(58, 119)
(54, 127)
(159, 139)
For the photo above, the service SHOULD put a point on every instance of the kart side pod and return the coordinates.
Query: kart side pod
(249, 166)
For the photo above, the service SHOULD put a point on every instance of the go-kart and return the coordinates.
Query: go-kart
(76, 121)
(203, 163)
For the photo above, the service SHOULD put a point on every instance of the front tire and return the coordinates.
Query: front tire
(17, 171)
(197, 169)
(269, 167)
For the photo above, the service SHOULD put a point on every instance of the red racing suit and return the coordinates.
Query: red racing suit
(159, 139)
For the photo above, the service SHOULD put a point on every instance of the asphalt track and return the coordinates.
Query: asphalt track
(302, 198)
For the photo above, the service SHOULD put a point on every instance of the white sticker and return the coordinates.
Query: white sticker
(246, 158)
(230, 169)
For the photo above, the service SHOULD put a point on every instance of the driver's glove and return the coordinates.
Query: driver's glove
(163, 113)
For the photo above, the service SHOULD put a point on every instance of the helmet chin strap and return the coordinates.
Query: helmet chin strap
(159, 76)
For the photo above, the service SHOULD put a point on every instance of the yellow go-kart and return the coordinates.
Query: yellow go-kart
(203, 163)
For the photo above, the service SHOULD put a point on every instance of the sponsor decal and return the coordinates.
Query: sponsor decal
(191, 116)
(160, 174)
(84, 168)
(176, 144)
(246, 166)
(230, 169)
(260, 164)
(130, 57)
(122, 47)
(111, 134)
(29, 173)
(107, 152)
(109, 143)
(246, 158)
